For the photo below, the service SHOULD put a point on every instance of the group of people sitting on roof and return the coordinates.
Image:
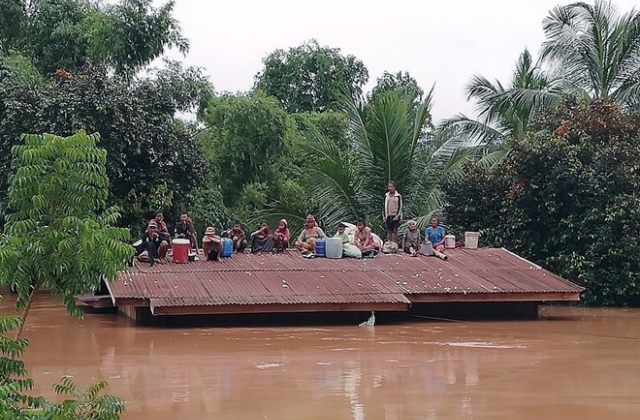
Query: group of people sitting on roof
(156, 240)
(358, 240)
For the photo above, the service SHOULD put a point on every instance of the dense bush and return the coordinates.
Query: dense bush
(566, 197)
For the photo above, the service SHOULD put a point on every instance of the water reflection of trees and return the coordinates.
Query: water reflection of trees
(419, 371)
(383, 373)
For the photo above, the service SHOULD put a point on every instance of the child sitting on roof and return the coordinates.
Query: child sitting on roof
(281, 236)
(239, 238)
(363, 239)
(349, 250)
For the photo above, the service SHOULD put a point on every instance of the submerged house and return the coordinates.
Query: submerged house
(485, 281)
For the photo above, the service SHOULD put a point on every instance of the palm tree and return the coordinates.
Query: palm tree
(595, 52)
(597, 49)
(389, 144)
(501, 115)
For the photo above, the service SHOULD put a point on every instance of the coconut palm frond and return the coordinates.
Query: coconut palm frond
(423, 116)
(282, 210)
(353, 106)
(598, 50)
(474, 132)
(483, 92)
(393, 128)
(527, 102)
(432, 207)
(334, 180)
(493, 156)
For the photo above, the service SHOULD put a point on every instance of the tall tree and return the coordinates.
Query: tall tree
(594, 51)
(246, 138)
(597, 49)
(153, 156)
(400, 80)
(59, 234)
(499, 116)
(310, 77)
(565, 198)
(11, 20)
(389, 145)
(70, 34)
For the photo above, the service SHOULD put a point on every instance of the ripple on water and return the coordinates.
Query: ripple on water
(268, 365)
(483, 344)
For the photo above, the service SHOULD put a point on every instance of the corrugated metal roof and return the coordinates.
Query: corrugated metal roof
(289, 279)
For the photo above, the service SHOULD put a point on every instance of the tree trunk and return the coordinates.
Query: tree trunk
(25, 311)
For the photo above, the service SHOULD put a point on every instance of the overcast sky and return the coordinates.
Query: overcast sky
(441, 42)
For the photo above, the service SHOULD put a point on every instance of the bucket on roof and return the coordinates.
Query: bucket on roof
(426, 248)
(180, 248)
(449, 241)
(334, 248)
(321, 248)
(227, 247)
(471, 240)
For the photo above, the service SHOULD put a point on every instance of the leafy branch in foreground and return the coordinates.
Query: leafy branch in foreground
(58, 235)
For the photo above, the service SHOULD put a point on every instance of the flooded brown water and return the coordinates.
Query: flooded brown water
(574, 363)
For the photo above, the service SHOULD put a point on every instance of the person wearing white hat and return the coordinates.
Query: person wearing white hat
(411, 239)
(211, 244)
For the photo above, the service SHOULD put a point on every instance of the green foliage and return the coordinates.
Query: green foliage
(330, 124)
(590, 52)
(13, 379)
(11, 20)
(58, 233)
(389, 145)
(399, 81)
(85, 404)
(70, 34)
(153, 157)
(130, 34)
(502, 114)
(20, 67)
(16, 404)
(596, 49)
(246, 140)
(206, 208)
(310, 78)
(473, 202)
(566, 197)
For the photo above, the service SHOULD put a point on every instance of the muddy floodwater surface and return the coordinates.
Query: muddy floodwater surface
(574, 363)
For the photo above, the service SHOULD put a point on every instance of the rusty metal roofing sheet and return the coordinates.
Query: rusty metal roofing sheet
(289, 279)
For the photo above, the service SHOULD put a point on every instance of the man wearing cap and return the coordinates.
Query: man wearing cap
(211, 244)
(155, 246)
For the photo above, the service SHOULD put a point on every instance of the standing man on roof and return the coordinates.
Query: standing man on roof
(392, 212)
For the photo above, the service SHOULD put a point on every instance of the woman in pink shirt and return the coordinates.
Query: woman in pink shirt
(281, 236)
